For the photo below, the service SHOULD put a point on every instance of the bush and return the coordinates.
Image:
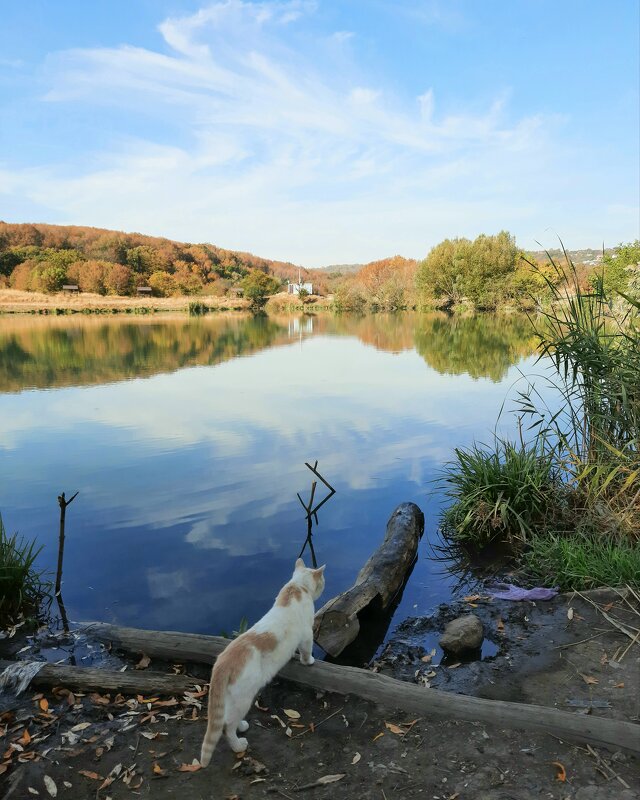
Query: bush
(163, 284)
(198, 309)
(22, 588)
(500, 494)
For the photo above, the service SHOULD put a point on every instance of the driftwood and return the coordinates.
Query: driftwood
(387, 691)
(378, 582)
(134, 682)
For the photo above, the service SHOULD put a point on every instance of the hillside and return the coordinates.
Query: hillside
(42, 257)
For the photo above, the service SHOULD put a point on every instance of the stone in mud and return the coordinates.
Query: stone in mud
(462, 634)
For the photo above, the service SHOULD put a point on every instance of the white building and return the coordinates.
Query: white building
(295, 288)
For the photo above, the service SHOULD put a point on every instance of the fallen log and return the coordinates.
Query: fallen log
(96, 679)
(387, 691)
(337, 623)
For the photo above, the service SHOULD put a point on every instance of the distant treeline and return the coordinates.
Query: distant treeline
(489, 272)
(46, 257)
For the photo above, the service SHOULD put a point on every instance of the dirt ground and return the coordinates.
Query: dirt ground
(74, 745)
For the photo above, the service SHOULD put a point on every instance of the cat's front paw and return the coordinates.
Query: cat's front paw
(307, 661)
(243, 726)
(240, 746)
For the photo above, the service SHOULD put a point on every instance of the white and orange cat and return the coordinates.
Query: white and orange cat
(254, 658)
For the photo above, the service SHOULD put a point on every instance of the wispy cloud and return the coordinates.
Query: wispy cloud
(279, 147)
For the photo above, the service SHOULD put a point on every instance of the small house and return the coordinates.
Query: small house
(71, 287)
(144, 290)
(296, 288)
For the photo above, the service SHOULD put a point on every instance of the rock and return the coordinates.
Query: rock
(462, 634)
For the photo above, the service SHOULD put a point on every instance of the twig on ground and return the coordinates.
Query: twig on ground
(298, 735)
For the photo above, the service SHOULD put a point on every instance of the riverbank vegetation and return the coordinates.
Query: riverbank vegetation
(22, 586)
(565, 498)
(487, 273)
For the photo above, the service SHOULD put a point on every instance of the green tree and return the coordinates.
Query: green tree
(257, 287)
(615, 271)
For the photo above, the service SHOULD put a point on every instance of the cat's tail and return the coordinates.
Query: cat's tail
(217, 694)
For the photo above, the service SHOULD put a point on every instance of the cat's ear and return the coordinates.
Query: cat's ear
(320, 570)
(299, 564)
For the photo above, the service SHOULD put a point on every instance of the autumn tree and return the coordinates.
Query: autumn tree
(257, 286)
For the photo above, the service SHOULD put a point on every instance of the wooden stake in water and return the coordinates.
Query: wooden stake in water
(63, 503)
(312, 512)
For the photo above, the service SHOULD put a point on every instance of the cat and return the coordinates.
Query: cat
(254, 658)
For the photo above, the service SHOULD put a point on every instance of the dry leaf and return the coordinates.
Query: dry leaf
(618, 686)
(25, 738)
(562, 773)
(31, 790)
(500, 624)
(588, 678)
(356, 758)
(193, 767)
(427, 658)
(330, 779)
(143, 663)
(91, 775)
(394, 728)
(50, 785)
(291, 713)
(471, 598)
(569, 613)
(157, 769)
(456, 665)
(377, 736)
(608, 607)
(44, 704)
(81, 726)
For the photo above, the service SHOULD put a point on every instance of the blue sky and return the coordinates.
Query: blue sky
(323, 132)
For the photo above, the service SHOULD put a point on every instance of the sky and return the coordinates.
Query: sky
(324, 131)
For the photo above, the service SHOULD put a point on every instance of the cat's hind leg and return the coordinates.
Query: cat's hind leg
(234, 721)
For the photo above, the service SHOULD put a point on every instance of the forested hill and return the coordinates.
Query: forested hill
(42, 257)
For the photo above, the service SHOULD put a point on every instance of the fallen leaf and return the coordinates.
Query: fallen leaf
(291, 713)
(193, 767)
(259, 707)
(427, 658)
(356, 758)
(618, 686)
(330, 779)
(50, 786)
(31, 790)
(99, 700)
(471, 598)
(157, 769)
(44, 704)
(377, 736)
(588, 678)
(456, 665)
(500, 624)
(81, 726)
(91, 775)
(569, 613)
(608, 607)
(143, 663)
(3, 768)
(394, 728)
(25, 738)
(562, 773)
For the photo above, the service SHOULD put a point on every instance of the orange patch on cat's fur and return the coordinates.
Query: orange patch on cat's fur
(288, 594)
(233, 659)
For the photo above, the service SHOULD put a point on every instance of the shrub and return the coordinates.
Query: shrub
(22, 587)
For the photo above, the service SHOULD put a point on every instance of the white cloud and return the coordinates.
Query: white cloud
(282, 150)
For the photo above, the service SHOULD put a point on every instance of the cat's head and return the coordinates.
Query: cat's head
(313, 579)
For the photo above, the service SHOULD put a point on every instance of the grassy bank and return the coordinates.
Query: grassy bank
(13, 301)
(564, 501)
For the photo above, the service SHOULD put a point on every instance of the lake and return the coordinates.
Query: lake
(186, 439)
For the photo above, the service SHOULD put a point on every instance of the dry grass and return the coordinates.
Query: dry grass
(13, 301)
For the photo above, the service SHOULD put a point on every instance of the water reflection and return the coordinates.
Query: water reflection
(187, 516)
(52, 352)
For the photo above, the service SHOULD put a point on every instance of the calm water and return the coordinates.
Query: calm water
(187, 441)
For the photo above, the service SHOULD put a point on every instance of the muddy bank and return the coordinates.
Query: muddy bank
(541, 656)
